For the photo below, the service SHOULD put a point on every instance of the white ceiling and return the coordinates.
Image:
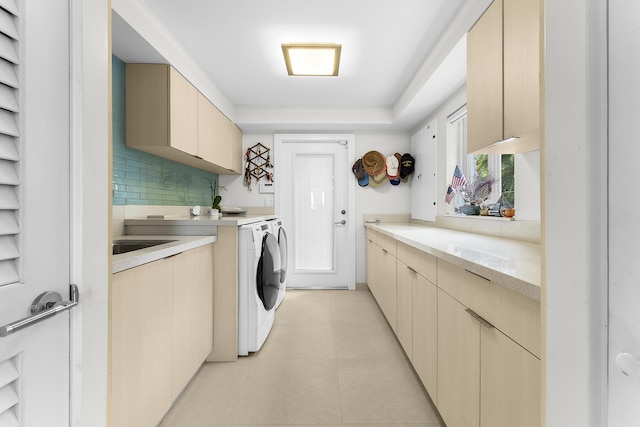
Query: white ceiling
(400, 58)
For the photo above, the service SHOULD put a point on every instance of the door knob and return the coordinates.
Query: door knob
(628, 364)
(343, 222)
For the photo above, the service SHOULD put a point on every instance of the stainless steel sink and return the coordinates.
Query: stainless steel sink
(124, 246)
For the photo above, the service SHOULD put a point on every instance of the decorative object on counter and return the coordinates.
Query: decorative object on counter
(393, 169)
(470, 209)
(457, 180)
(232, 210)
(502, 208)
(215, 206)
(360, 174)
(407, 166)
(478, 190)
(258, 161)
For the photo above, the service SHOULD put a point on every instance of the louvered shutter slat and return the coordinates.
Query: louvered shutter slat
(9, 151)
(8, 74)
(8, 99)
(10, 5)
(8, 49)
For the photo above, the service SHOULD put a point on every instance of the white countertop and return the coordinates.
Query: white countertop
(132, 259)
(510, 263)
(224, 220)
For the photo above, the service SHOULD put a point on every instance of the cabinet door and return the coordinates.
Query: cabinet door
(236, 148)
(183, 114)
(213, 134)
(373, 255)
(141, 347)
(423, 184)
(510, 391)
(388, 287)
(522, 23)
(484, 80)
(458, 364)
(192, 313)
(425, 334)
(404, 310)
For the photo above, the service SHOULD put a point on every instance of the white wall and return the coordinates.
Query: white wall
(387, 199)
(574, 288)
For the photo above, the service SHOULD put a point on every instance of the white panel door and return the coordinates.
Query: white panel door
(35, 209)
(424, 146)
(312, 196)
(624, 227)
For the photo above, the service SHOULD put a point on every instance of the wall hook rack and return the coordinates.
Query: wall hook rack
(258, 162)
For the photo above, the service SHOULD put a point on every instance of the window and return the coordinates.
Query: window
(475, 166)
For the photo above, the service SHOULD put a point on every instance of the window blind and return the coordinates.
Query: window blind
(9, 140)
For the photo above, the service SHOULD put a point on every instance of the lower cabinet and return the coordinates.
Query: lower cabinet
(474, 344)
(381, 273)
(484, 377)
(425, 333)
(458, 364)
(160, 333)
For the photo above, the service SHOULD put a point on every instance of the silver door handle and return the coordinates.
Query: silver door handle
(343, 222)
(46, 305)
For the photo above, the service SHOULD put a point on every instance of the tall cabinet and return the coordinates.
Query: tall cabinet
(424, 148)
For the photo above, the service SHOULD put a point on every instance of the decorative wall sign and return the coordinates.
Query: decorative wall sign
(258, 164)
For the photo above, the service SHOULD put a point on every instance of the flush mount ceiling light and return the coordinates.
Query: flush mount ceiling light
(312, 59)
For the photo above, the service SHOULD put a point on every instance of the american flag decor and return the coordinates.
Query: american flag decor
(450, 194)
(458, 179)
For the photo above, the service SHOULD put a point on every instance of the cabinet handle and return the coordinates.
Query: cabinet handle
(411, 270)
(479, 318)
(385, 251)
(476, 274)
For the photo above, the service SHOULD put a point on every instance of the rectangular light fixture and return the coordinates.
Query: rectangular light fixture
(312, 59)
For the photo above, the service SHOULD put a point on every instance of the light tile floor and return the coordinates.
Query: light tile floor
(331, 359)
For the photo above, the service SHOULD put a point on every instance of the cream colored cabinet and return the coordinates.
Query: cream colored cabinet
(141, 345)
(474, 344)
(373, 252)
(225, 296)
(381, 273)
(192, 314)
(458, 364)
(169, 117)
(507, 336)
(504, 78)
(510, 382)
(160, 333)
(213, 134)
(236, 148)
(425, 333)
(404, 306)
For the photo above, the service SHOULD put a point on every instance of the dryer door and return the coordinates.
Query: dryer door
(282, 244)
(268, 274)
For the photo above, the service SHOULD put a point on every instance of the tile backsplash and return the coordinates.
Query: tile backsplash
(141, 178)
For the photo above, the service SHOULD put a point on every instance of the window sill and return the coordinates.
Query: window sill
(482, 217)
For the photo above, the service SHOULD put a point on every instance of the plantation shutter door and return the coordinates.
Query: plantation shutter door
(9, 140)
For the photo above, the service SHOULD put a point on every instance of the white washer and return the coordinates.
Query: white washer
(258, 285)
(277, 229)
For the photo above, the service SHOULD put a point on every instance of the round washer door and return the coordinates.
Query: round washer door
(268, 274)
(282, 244)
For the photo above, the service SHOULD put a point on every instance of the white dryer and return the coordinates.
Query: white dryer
(277, 229)
(258, 285)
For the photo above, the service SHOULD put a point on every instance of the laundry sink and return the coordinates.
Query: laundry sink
(124, 246)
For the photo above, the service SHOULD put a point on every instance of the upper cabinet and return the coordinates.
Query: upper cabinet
(504, 78)
(168, 117)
